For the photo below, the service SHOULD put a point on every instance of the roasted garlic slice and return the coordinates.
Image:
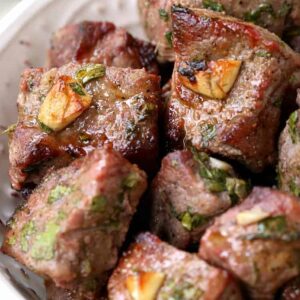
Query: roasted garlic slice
(66, 100)
(144, 285)
(254, 215)
(216, 81)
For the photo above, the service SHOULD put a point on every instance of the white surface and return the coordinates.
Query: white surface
(24, 38)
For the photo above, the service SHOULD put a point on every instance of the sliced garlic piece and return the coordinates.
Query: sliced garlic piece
(66, 100)
(216, 81)
(254, 215)
(145, 285)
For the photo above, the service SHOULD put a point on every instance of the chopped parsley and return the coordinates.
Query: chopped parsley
(285, 9)
(191, 221)
(208, 133)
(98, 204)
(263, 53)
(27, 230)
(90, 72)
(294, 188)
(213, 5)
(131, 180)
(292, 127)
(43, 247)
(163, 14)
(44, 127)
(58, 192)
(255, 15)
(10, 129)
(169, 38)
(77, 88)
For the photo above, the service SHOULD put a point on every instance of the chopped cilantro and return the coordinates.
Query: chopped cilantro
(10, 129)
(213, 5)
(90, 72)
(163, 14)
(208, 133)
(58, 192)
(255, 15)
(285, 9)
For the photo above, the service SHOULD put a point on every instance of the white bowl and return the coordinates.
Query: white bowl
(24, 38)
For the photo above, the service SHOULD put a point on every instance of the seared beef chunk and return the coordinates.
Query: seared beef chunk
(188, 192)
(152, 269)
(75, 222)
(292, 290)
(100, 42)
(228, 82)
(258, 241)
(274, 15)
(68, 112)
(289, 156)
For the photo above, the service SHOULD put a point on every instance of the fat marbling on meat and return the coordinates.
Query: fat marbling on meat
(74, 223)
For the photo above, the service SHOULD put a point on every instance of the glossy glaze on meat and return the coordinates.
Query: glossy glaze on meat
(258, 241)
(100, 42)
(188, 192)
(74, 223)
(243, 125)
(185, 275)
(123, 112)
(274, 15)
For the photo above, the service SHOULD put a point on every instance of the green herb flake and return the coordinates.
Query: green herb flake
(84, 138)
(213, 5)
(44, 127)
(292, 127)
(27, 230)
(208, 133)
(169, 38)
(77, 88)
(9, 130)
(285, 9)
(255, 15)
(263, 53)
(44, 246)
(131, 180)
(163, 14)
(86, 267)
(181, 291)
(58, 193)
(191, 221)
(12, 240)
(90, 72)
(294, 188)
(98, 204)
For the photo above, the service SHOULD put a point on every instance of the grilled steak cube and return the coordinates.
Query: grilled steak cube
(274, 15)
(152, 269)
(228, 81)
(68, 112)
(289, 158)
(100, 42)
(75, 222)
(188, 192)
(292, 290)
(258, 241)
